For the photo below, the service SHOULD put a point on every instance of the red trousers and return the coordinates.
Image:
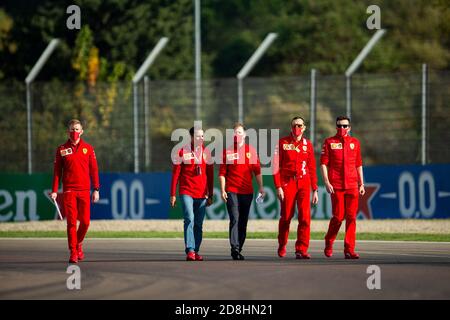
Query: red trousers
(296, 191)
(344, 204)
(77, 207)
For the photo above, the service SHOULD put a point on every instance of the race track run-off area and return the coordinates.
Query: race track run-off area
(156, 269)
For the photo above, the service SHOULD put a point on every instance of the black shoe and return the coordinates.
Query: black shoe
(237, 256)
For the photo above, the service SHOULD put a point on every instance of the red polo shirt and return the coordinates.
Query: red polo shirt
(238, 165)
(185, 172)
(77, 165)
(342, 155)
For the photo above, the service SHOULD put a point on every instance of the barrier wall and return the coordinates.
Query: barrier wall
(393, 192)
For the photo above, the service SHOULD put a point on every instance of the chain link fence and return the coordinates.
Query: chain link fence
(386, 116)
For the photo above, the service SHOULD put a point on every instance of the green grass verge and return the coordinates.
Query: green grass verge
(224, 235)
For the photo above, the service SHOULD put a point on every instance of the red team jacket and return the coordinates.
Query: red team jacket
(237, 167)
(77, 165)
(342, 155)
(294, 158)
(185, 169)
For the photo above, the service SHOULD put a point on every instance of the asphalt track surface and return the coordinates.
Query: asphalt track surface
(156, 269)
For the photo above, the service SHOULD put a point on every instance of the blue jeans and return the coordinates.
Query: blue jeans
(194, 210)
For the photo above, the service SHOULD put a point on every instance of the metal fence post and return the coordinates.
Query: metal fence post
(240, 101)
(135, 127)
(313, 107)
(348, 88)
(424, 114)
(29, 129)
(146, 122)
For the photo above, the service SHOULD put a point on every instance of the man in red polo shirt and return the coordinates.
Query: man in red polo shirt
(342, 172)
(194, 172)
(76, 163)
(294, 176)
(240, 162)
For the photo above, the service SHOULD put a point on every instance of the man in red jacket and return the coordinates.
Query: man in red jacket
(240, 162)
(194, 172)
(76, 163)
(294, 176)
(342, 172)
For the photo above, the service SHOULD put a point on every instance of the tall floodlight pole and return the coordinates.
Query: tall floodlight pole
(136, 79)
(355, 65)
(248, 67)
(28, 81)
(198, 62)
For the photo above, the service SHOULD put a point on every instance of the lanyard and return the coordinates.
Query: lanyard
(197, 161)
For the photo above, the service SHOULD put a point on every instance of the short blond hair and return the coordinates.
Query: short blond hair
(73, 122)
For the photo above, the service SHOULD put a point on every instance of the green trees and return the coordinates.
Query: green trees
(124, 31)
(322, 34)
(326, 35)
(7, 46)
(89, 74)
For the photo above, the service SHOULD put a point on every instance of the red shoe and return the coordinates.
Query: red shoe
(281, 251)
(198, 257)
(73, 257)
(80, 253)
(302, 255)
(328, 251)
(351, 255)
(190, 256)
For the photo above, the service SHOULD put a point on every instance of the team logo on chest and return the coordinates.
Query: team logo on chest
(232, 156)
(290, 146)
(188, 156)
(248, 154)
(352, 146)
(85, 150)
(65, 152)
(335, 146)
(305, 148)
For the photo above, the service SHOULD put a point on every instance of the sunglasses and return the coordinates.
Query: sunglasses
(345, 126)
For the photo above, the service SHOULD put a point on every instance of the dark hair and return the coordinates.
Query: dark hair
(239, 124)
(340, 118)
(298, 117)
(193, 129)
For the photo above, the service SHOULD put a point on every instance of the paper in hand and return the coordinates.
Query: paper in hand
(260, 198)
(57, 209)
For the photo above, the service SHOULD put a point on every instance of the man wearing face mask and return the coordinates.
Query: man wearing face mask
(240, 162)
(76, 165)
(294, 174)
(342, 172)
(194, 172)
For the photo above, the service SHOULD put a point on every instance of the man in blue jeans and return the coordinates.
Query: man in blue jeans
(196, 178)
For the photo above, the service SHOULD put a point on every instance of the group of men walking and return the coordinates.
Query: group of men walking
(294, 175)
